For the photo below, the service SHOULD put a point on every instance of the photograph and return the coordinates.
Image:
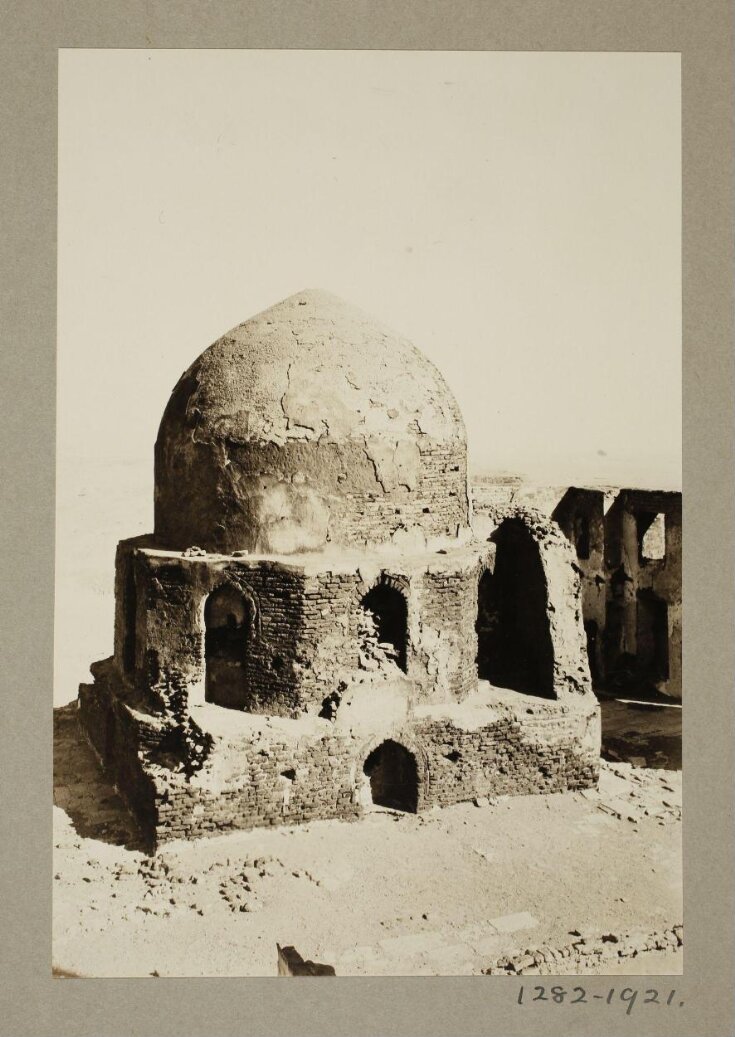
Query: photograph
(368, 585)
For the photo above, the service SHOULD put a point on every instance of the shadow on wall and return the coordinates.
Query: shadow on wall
(93, 806)
(514, 647)
(652, 637)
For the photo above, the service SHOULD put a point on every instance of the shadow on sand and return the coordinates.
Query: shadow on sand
(82, 791)
(644, 733)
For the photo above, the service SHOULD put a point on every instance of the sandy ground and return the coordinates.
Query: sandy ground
(442, 893)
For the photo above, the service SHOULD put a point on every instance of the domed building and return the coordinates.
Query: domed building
(298, 638)
(310, 427)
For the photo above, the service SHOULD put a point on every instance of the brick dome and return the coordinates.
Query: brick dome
(307, 426)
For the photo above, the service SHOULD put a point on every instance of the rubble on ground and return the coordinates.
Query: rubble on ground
(586, 948)
(634, 793)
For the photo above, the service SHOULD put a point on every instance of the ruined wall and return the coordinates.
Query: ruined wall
(637, 584)
(171, 591)
(441, 640)
(330, 643)
(265, 781)
(293, 774)
(309, 425)
(581, 516)
(279, 783)
(561, 595)
(305, 636)
(448, 637)
(121, 744)
(613, 575)
(518, 753)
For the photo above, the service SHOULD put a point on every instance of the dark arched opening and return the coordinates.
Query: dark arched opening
(652, 637)
(228, 628)
(393, 775)
(130, 617)
(389, 611)
(514, 638)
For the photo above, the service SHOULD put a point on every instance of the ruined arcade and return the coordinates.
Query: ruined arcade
(314, 626)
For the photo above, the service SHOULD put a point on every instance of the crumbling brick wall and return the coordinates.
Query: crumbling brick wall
(171, 591)
(294, 774)
(515, 754)
(304, 639)
(121, 744)
(272, 783)
(581, 516)
(561, 594)
(448, 616)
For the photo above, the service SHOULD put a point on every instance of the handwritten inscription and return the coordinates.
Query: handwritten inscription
(629, 996)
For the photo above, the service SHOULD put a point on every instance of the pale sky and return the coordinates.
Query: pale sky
(516, 215)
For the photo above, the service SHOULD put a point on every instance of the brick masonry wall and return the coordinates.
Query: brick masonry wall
(514, 755)
(449, 608)
(441, 641)
(174, 590)
(273, 778)
(438, 504)
(304, 639)
(278, 783)
(121, 744)
(329, 641)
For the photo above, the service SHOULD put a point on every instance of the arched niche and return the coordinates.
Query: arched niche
(513, 631)
(392, 771)
(388, 608)
(228, 634)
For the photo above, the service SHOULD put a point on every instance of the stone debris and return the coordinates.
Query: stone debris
(374, 655)
(588, 947)
(290, 963)
(238, 884)
(637, 793)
